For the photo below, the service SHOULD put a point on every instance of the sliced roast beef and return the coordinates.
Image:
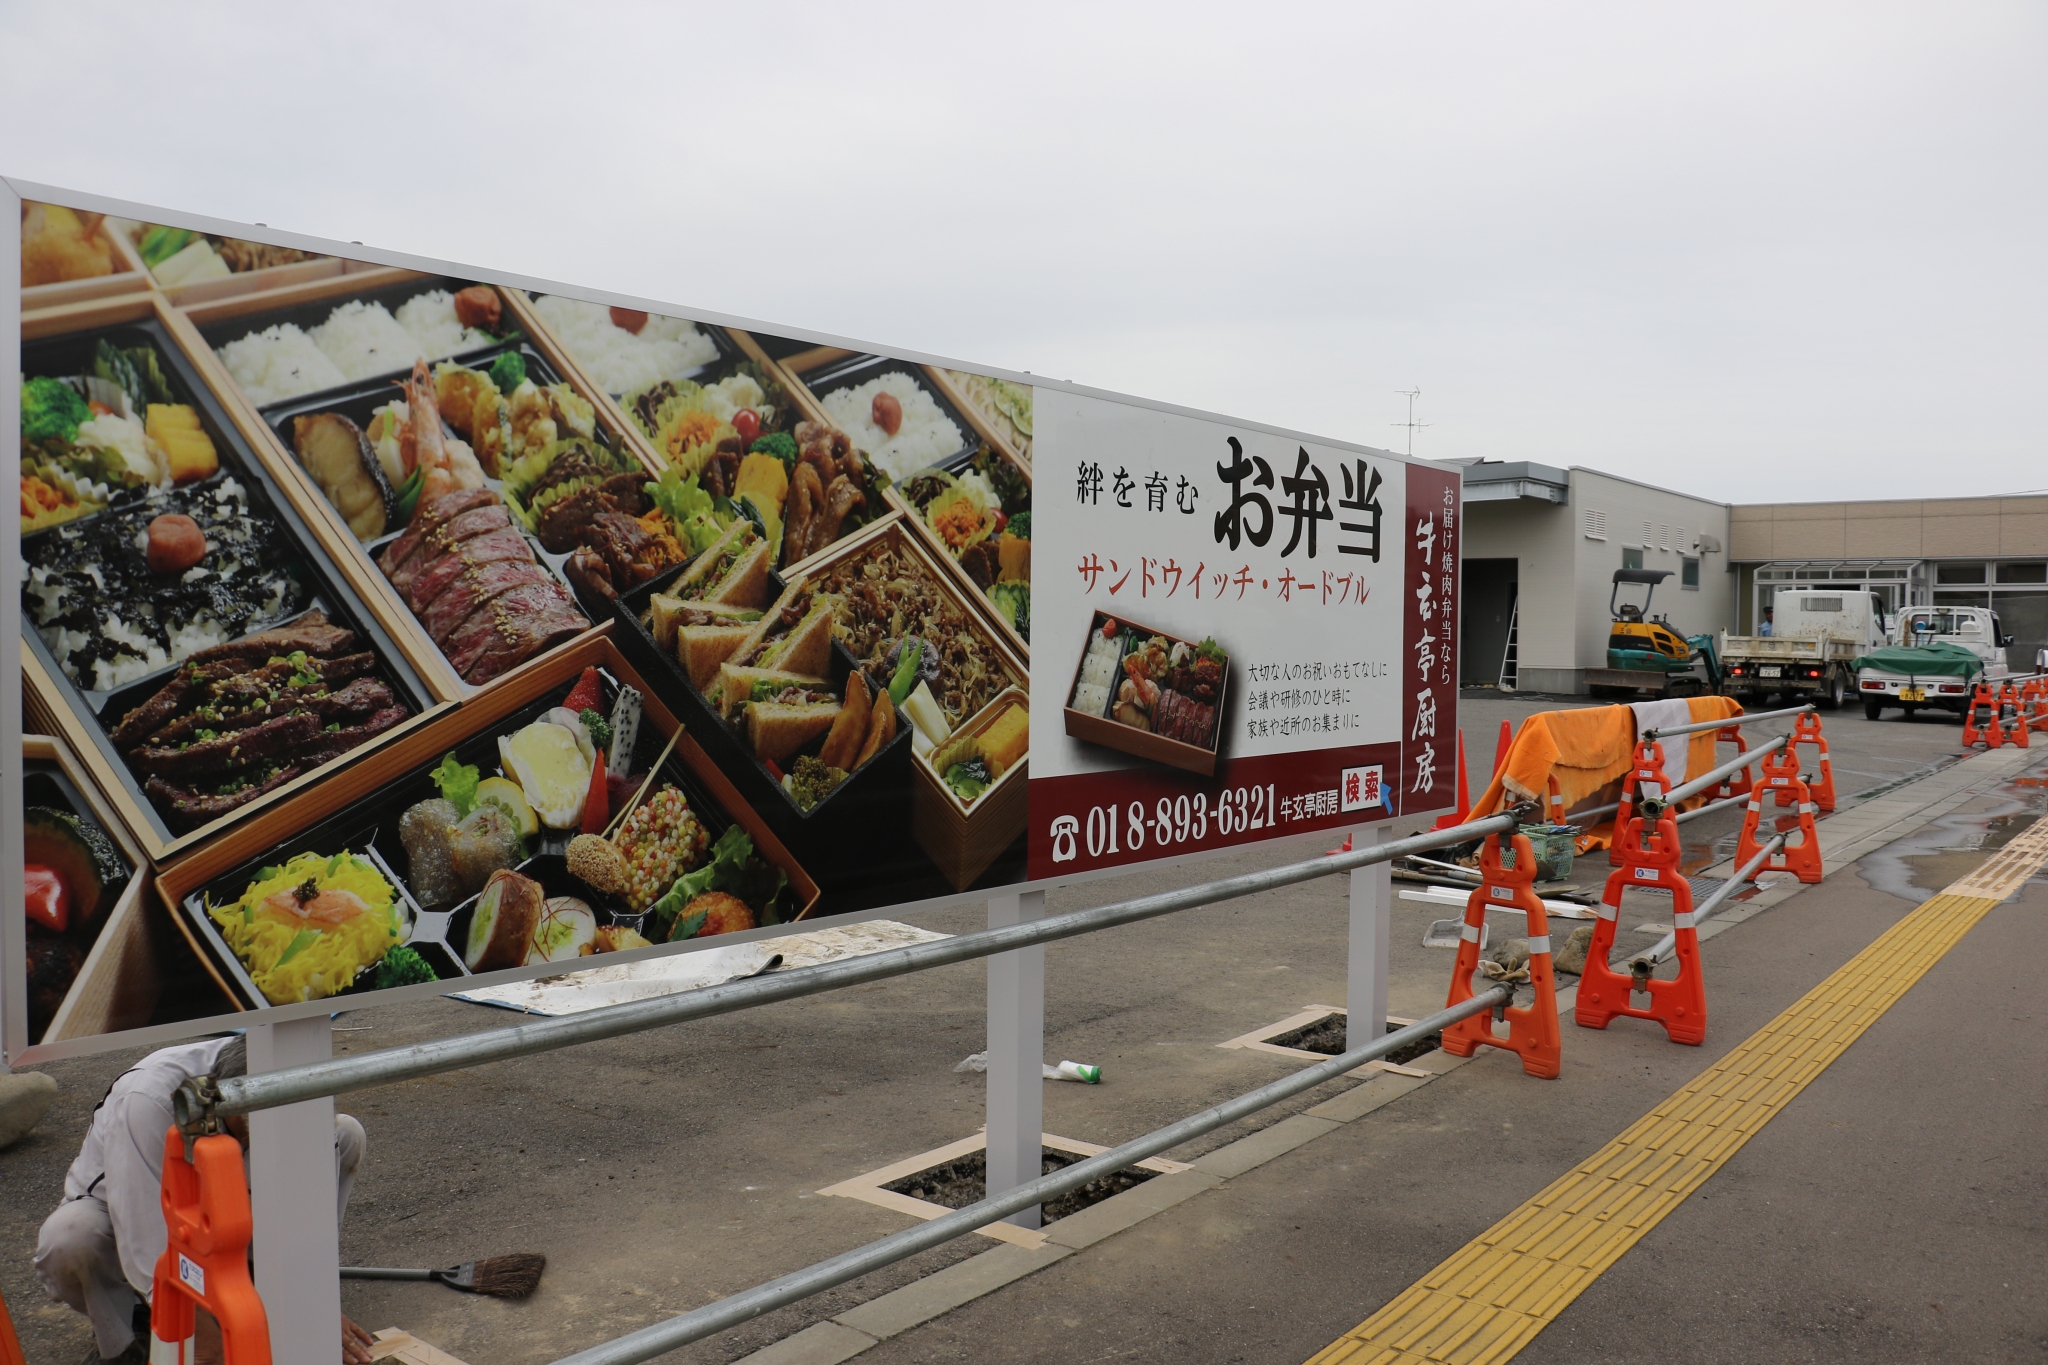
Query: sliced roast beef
(428, 518)
(512, 628)
(463, 598)
(492, 547)
(189, 809)
(230, 752)
(310, 633)
(477, 521)
(335, 743)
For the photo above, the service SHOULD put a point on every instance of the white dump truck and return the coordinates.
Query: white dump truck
(1936, 658)
(1815, 636)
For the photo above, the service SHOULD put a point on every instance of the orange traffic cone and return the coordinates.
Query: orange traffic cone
(1532, 1032)
(206, 1264)
(1801, 853)
(10, 1345)
(1501, 747)
(1738, 782)
(1650, 853)
(1458, 816)
(1645, 777)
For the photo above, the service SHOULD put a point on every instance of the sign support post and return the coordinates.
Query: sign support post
(1372, 944)
(1016, 1052)
(292, 1186)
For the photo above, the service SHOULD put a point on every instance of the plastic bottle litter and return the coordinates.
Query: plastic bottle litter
(1065, 1071)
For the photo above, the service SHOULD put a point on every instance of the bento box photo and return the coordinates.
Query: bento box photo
(1146, 693)
(721, 425)
(970, 800)
(92, 967)
(975, 511)
(183, 631)
(474, 494)
(69, 256)
(194, 267)
(562, 815)
(814, 691)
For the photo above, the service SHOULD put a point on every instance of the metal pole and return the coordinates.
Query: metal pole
(1710, 777)
(1371, 946)
(1697, 811)
(199, 1100)
(1724, 724)
(1651, 956)
(1016, 1052)
(292, 1196)
(712, 1318)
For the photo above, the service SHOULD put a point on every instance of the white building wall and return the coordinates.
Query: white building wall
(1538, 535)
(1653, 520)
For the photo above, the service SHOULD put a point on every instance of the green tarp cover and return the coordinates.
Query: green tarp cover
(1936, 660)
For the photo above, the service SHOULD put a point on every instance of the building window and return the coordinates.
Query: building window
(1596, 524)
(1959, 573)
(1689, 573)
(1631, 559)
(2023, 573)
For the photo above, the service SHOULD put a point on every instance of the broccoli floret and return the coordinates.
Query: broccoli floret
(1019, 526)
(50, 407)
(402, 967)
(508, 371)
(780, 444)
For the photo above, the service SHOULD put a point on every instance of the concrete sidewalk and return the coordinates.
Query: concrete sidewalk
(1922, 1245)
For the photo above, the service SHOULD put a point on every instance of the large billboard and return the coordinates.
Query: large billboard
(397, 627)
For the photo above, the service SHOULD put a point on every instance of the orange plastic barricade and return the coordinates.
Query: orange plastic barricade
(2009, 695)
(1738, 782)
(1649, 859)
(1645, 777)
(2034, 695)
(1459, 815)
(10, 1345)
(1821, 782)
(1801, 853)
(206, 1264)
(1993, 734)
(1532, 1032)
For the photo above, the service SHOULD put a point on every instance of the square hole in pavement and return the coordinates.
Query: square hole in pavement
(1325, 1036)
(964, 1181)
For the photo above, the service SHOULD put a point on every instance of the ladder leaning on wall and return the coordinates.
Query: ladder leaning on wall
(1509, 662)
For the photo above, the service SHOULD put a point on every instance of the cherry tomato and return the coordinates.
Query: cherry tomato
(48, 899)
(747, 423)
(1001, 522)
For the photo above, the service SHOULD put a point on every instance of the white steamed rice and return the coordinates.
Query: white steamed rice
(666, 348)
(279, 362)
(926, 436)
(357, 341)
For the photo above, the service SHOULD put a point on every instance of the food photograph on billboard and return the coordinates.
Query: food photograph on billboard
(391, 628)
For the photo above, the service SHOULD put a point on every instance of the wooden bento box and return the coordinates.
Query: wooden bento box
(243, 275)
(269, 422)
(126, 277)
(364, 814)
(861, 838)
(108, 950)
(963, 837)
(83, 574)
(1099, 726)
(922, 491)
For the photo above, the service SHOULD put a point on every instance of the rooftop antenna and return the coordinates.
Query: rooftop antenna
(1412, 425)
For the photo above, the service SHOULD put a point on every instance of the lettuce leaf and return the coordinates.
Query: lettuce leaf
(458, 783)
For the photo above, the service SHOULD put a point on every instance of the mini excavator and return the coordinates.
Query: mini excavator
(1644, 654)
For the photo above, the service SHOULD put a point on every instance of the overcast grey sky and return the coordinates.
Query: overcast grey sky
(1749, 251)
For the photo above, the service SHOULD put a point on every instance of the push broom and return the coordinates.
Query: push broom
(501, 1277)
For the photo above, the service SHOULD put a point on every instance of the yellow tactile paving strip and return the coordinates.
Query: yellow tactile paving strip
(1491, 1299)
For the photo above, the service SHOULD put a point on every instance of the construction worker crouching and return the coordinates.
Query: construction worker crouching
(98, 1251)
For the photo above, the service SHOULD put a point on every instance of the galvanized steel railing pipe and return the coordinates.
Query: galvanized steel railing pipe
(1641, 963)
(1713, 775)
(202, 1101)
(1662, 731)
(713, 1318)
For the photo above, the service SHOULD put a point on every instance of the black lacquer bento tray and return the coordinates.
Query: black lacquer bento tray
(858, 839)
(857, 370)
(323, 585)
(312, 312)
(439, 933)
